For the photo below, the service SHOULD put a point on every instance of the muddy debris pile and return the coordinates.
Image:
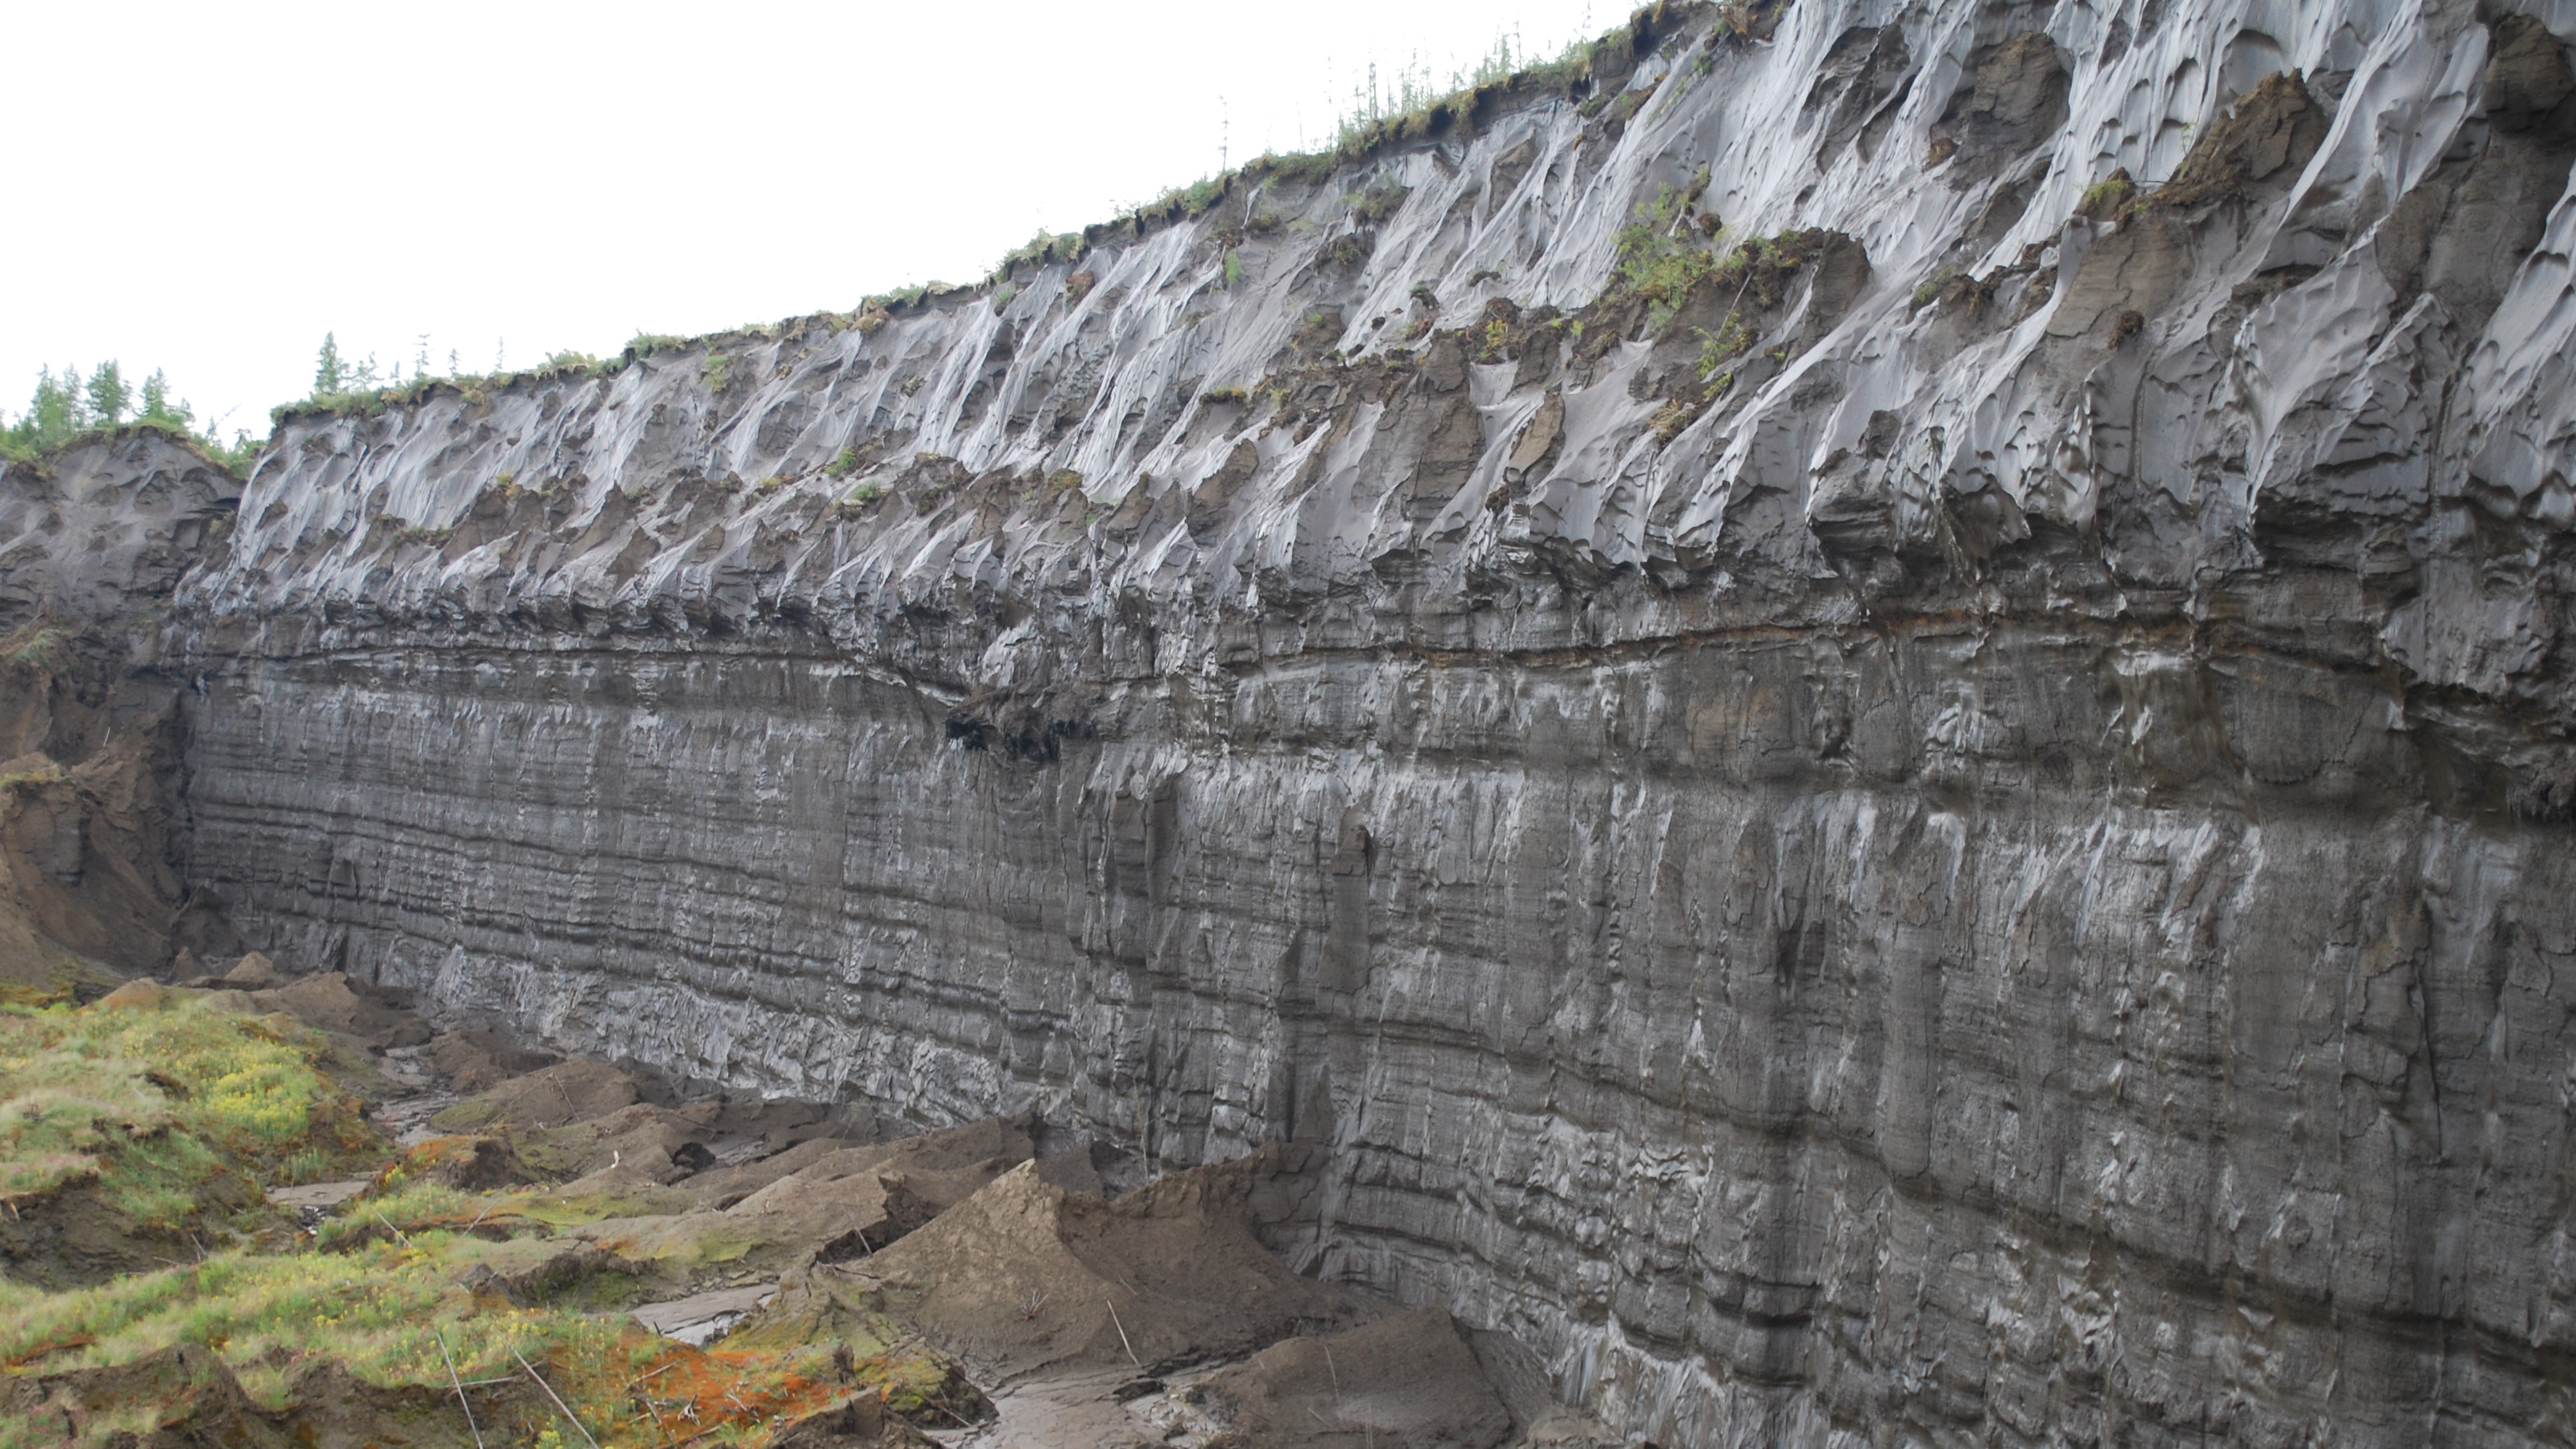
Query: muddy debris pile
(562, 1245)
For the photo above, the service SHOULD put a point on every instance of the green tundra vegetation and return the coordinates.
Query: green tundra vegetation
(139, 1138)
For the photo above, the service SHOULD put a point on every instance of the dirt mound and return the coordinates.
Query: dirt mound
(637, 1145)
(834, 1204)
(136, 996)
(858, 1200)
(370, 1017)
(986, 1147)
(255, 972)
(1075, 1170)
(332, 1002)
(1409, 1382)
(1024, 1275)
(475, 1061)
(575, 1091)
(329, 1408)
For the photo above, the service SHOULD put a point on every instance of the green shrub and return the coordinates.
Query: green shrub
(1660, 260)
(899, 297)
(2103, 199)
(1040, 250)
(1722, 346)
(1376, 204)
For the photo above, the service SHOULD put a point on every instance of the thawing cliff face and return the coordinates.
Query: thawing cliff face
(1949, 826)
(92, 811)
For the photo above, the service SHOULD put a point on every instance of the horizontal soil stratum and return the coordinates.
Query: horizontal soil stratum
(1857, 720)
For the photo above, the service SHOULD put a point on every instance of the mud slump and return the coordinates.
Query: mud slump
(596, 1253)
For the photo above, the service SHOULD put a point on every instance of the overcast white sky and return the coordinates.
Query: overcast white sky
(209, 187)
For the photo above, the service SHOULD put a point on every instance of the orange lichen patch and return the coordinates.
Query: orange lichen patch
(411, 1162)
(644, 1389)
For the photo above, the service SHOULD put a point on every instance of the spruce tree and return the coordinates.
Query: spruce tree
(329, 376)
(158, 408)
(57, 408)
(109, 395)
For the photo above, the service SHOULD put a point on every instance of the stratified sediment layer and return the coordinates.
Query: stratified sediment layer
(1949, 826)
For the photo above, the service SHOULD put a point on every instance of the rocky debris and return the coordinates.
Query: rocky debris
(634, 1145)
(330, 1001)
(253, 972)
(728, 1183)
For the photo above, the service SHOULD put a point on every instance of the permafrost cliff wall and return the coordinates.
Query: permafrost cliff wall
(1977, 854)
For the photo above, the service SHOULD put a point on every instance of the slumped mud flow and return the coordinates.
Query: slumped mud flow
(1848, 727)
